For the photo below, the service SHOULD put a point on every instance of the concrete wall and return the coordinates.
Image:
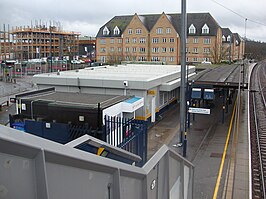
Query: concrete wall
(32, 167)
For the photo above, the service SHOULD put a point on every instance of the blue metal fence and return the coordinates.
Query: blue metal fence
(128, 134)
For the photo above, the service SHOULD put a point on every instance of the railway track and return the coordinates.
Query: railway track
(258, 130)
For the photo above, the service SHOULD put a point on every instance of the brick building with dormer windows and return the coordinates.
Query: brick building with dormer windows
(156, 37)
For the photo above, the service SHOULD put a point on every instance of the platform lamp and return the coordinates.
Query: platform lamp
(183, 137)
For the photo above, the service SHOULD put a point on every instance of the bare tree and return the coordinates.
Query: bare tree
(217, 53)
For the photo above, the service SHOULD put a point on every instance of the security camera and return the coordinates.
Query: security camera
(126, 83)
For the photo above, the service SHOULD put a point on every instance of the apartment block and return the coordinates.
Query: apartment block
(6, 46)
(233, 46)
(156, 37)
(44, 41)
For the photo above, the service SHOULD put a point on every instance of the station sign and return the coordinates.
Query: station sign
(151, 92)
(199, 110)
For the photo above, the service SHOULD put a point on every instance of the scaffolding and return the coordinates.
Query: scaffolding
(42, 41)
(6, 47)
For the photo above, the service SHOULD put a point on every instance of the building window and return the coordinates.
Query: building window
(187, 40)
(120, 41)
(116, 31)
(223, 38)
(155, 50)
(195, 50)
(195, 40)
(186, 49)
(127, 40)
(130, 31)
(205, 29)
(171, 59)
(159, 30)
(134, 40)
(171, 40)
(155, 40)
(127, 49)
(206, 59)
(102, 41)
(106, 31)
(112, 49)
(171, 50)
(207, 40)
(142, 58)
(195, 59)
(155, 59)
(187, 59)
(138, 31)
(134, 49)
(206, 50)
(164, 40)
(192, 29)
(102, 50)
(103, 59)
(142, 50)
(164, 50)
(168, 30)
(112, 41)
(142, 40)
(127, 58)
(228, 38)
(119, 49)
(163, 59)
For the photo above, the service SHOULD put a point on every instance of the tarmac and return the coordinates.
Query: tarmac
(206, 140)
(9, 89)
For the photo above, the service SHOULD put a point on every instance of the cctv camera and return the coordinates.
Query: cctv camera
(126, 83)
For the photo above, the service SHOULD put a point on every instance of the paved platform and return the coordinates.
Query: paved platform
(206, 141)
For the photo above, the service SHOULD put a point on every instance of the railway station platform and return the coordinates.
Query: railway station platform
(215, 176)
(218, 146)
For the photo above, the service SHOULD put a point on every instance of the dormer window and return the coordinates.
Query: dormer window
(223, 38)
(205, 29)
(228, 38)
(106, 31)
(192, 29)
(116, 31)
(237, 42)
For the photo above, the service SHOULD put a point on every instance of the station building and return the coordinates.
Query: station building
(158, 85)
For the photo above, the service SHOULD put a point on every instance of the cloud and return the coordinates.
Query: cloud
(88, 16)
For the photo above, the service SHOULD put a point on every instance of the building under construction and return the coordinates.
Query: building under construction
(6, 45)
(42, 41)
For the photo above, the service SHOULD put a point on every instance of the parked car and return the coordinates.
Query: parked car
(75, 62)
(206, 62)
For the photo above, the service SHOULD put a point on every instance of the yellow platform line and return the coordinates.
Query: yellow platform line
(224, 153)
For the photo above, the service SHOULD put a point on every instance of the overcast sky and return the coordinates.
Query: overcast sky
(87, 16)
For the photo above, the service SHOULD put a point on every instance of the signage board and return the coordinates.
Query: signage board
(151, 92)
(199, 110)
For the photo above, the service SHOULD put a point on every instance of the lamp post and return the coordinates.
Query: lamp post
(183, 76)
